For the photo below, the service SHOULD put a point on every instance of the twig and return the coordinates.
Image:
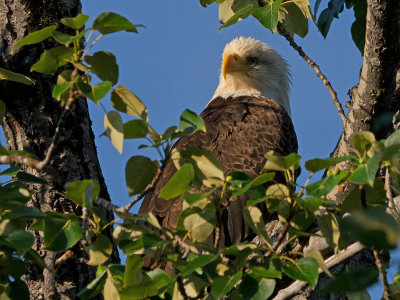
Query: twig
(279, 239)
(85, 218)
(63, 258)
(317, 70)
(114, 208)
(217, 236)
(334, 260)
(149, 188)
(386, 288)
(34, 163)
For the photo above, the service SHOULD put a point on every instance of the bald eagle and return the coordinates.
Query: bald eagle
(248, 116)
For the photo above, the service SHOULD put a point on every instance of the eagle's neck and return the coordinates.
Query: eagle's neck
(241, 84)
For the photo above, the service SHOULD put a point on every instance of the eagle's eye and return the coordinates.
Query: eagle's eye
(252, 61)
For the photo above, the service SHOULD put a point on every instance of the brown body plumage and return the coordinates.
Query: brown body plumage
(242, 125)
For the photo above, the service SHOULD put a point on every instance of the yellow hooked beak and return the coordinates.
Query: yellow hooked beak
(233, 63)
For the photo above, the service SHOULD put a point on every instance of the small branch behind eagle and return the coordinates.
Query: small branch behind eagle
(317, 70)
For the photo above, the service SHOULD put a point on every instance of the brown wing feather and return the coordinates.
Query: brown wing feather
(240, 130)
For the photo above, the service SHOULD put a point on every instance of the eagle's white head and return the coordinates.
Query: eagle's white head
(250, 67)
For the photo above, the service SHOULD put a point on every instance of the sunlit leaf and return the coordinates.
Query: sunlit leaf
(268, 15)
(109, 22)
(35, 37)
(200, 224)
(52, 59)
(123, 100)
(114, 129)
(317, 164)
(179, 183)
(133, 268)
(67, 39)
(99, 251)
(12, 76)
(76, 22)
(190, 122)
(95, 92)
(76, 191)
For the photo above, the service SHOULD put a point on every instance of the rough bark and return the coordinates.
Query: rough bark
(374, 98)
(30, 122)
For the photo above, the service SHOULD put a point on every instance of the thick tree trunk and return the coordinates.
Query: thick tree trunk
(30, 122)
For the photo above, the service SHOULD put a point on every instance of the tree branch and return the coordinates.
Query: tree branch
(315, 67)
(387, 295)
(333, 260)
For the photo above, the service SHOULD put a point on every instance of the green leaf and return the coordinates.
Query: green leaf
(179, 183)
(329, 226)
(254, 218)
(12, 76)
(29, 178)
(305, 269)
(317, 164)
(373, 227)
(221, 286)
(67, 39)
(268, 15)
(156, 282)
(35, 37)
(281, 163)
(310, 204)
(139, 173)
(240, 14)
(197, 263)
(359, 25)
(95, 287)
(133, 268)
(76, 191)
(99, 251)
(264, 289)
(190, 122)
(393, 139)
(61, 234)
(109, 22)
(110, 289)
(294, 17)
(95, 92)
(52, 59)
(366, 172)
(75, 23)
(17, 290)
(326, 17)
(114, 129)
(11, 171)
(314, 253)
(60, 89)
(125, 101)
(134, 129)
(200, 224)
(204, 3)
(352, 280)
(104, 65)
(229, 8)
(325, 185)
(21, 240)
(270, 268)
(301, 221)
(362, 140)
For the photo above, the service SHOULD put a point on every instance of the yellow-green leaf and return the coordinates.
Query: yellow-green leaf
(12, 76)
(114, 129)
